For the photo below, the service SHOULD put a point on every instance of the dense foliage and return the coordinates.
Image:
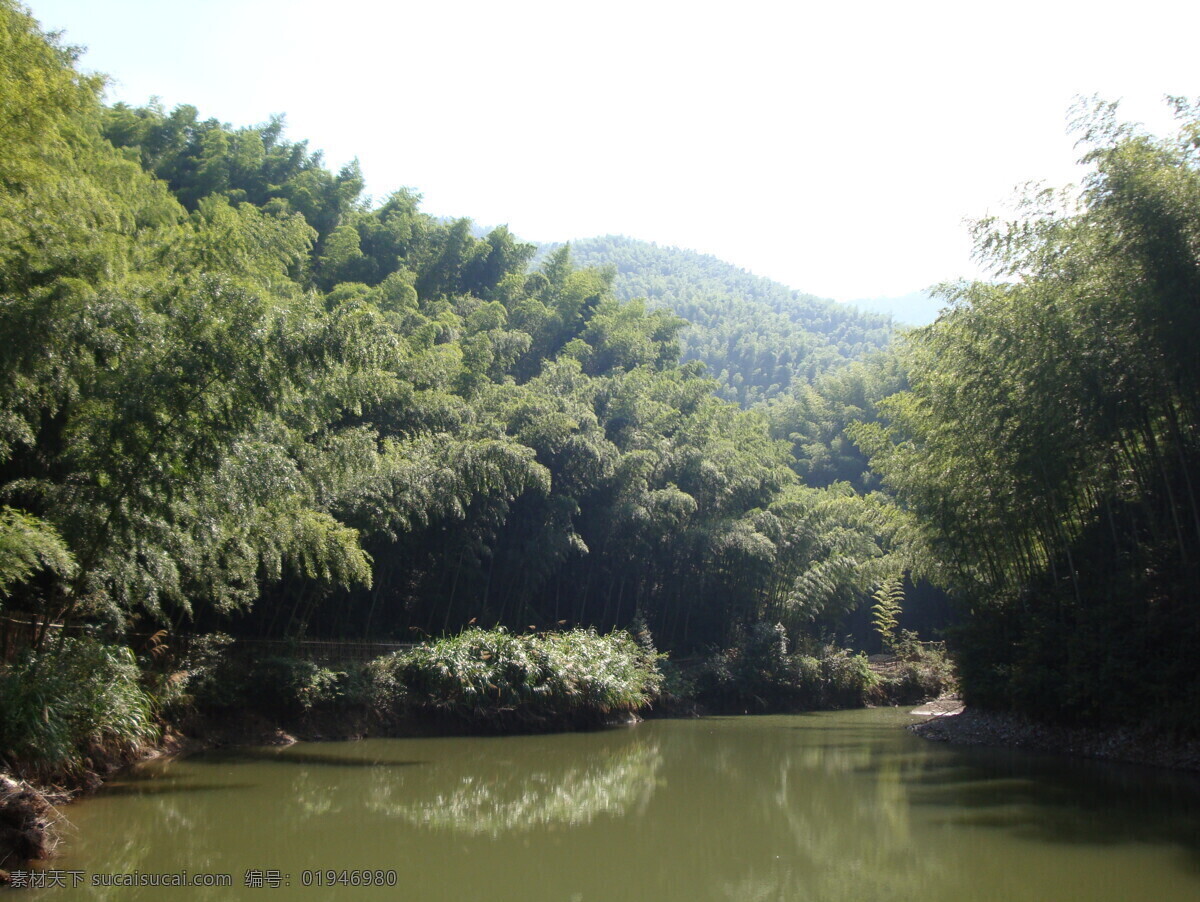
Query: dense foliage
(236, 395)
(549, 679)
(759, 672)
(1050, 439)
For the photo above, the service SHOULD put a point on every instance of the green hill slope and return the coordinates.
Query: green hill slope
(755, 335)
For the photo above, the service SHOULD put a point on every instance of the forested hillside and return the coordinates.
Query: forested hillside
(755, 336)
(237, 395)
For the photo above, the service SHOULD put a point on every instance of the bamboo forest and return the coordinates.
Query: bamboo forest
(246, 409)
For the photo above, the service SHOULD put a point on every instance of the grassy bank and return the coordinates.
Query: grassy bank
(67, 715)
(480, 680)
(75, 708)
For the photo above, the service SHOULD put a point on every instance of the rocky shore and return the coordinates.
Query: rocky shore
(950, 722)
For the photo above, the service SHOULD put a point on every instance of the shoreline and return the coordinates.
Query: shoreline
(29, 811)
(29, 814)
(1126, 745)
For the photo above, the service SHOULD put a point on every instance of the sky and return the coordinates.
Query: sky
(841, 149)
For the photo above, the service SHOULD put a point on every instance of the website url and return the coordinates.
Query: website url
(180, 878)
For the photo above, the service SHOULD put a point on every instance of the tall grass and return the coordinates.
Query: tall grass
(551, 679)
(78, 700)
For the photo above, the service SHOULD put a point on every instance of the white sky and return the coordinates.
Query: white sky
(837, 148)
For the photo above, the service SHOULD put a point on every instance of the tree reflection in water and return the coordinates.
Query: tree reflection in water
(492, 799)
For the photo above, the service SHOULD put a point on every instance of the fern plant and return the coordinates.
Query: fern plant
(885, 613)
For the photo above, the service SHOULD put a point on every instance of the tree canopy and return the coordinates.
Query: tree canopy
(1048, 441)
(234, 392)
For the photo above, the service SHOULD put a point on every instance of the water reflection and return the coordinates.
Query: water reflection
(1051, 800)
(827, 807)
(816, 813)
(493, 798)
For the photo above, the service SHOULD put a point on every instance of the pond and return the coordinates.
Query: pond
(827, 806)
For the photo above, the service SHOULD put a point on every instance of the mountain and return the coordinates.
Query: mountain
(756, 336)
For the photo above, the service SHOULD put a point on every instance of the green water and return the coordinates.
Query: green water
(827, 806)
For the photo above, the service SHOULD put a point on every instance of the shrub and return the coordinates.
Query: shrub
(844, 678)
(174, 680)
(678, 692)
(374, 687)
(492, 675)
(79, 699)
(275, 686)
(286, 685)
(216, 678)
(758, 673)
(922, 671)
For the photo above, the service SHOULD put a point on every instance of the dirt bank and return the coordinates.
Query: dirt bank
(972, 727)
(28, 817)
